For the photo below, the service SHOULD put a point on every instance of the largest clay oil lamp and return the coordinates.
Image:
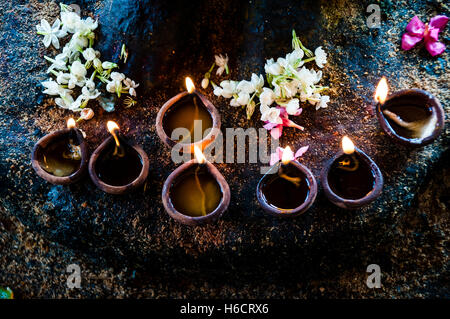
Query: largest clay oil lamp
(61, 157)
(192, 112)
(117, 166)
(351, 179)
(411, 117)
(196, 193)
(289, 188)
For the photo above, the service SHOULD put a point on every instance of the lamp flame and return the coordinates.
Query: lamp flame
(112, 127)
(71, 123)
(287, 155)
(381, 91)
(199, 155)
(190, 85)
(347, 145)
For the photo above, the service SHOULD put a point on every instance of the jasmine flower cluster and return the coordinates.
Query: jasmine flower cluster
(77, 68)
(289, 82)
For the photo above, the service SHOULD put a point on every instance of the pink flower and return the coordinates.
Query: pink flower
(416, 30)
(287, 154)
(277, 129)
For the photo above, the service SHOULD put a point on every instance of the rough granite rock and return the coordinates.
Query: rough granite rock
(127, 246)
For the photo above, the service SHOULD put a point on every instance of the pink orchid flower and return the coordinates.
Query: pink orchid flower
(277, 129)
(416, 30)
(288, 154)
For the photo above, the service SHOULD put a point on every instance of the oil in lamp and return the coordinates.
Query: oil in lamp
(61, 157)
(412, 117)
(351, 179)
(191, 111)
(118, 166)
(196, 192)
(288, 189)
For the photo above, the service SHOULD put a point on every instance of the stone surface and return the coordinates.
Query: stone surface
(127, 246)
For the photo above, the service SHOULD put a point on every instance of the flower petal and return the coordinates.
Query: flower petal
(301, 151)
(269, 126)
(55, 41)
(289, 123)
(432, 35)
(409, 41)
(276, 132)
(47, 40)
(415, 26)
(274, 158)
(438, 22)
(434, 47)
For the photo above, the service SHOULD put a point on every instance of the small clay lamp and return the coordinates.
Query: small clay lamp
(412, 117)
(191, 112)
(117, 166)
(351, 179)
(61, 157)
(288, 189)
(196, 193)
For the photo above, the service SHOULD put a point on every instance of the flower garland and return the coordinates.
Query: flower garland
(290, 83)
(78, 58)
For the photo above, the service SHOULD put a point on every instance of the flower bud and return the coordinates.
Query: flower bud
(86, 114)
(205, 83)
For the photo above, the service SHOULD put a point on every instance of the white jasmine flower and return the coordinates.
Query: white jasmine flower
(130, 85)
(229, 88)
(98, 65)
(109, 65)
(77, 42)
(86, 26)
(118, 77)
(243, 98)
(205, 83)
(270, 114)
(222, 63)
(217, 90)
(89, 54)
(295, 58)
(89, 94)
(267, 97)
(245, 87)
(63, 78)
(111, 87)
(57, 63)
(292, 106)
(65, 101)
(324, 99)
(86, 114)
(307, 77)
(52, 88)
(76, 105)
(50, 33)
(78, 70)
(306, 94)
(273, 67)
(290, 88)
(70, 20)
(257, 82)
(321, 57)
(90, 84)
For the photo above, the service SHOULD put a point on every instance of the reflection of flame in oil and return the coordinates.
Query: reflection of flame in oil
(112, 128)
(190, 85)
(199, 155)
(381, 91)
(347, 145)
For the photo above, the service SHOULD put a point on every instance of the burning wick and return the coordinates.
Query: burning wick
(190, 87)
(112, 128)
(420, 128)
(349, 149)
(286, 157)
(201, 161)
(73, 151)
(381, 91)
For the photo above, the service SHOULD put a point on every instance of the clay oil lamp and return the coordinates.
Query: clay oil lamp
(351, 179)
(192, 112)
(289, 188)
(118, 166)
(196, 193)
(61, 157)
(412, 117)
